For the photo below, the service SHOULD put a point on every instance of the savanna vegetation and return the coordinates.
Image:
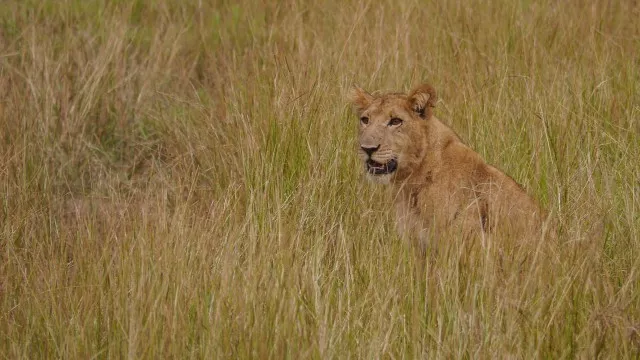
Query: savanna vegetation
(179, 179)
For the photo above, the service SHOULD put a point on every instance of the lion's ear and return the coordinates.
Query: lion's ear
(359, 98)
(422, 99)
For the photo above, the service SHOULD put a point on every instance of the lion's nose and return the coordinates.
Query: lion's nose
(369, 149)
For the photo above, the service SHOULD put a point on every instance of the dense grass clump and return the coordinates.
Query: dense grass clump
(179, 179)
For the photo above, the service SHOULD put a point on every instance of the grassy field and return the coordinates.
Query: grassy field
(178, 179)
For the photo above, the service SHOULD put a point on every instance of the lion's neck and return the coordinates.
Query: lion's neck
(429, 156)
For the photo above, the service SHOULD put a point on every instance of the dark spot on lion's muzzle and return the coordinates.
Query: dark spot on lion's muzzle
(376, 168)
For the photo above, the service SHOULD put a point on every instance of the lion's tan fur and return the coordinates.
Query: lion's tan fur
(440, 183)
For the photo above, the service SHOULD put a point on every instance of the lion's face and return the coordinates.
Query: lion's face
(391, 133)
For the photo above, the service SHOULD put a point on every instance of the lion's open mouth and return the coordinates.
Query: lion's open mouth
(375, 168)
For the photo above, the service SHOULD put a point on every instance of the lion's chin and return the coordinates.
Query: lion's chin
(380, 179)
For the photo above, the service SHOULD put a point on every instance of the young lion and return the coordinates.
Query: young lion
(441, 184)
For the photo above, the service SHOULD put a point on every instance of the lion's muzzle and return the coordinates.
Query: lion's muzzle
(376, 168)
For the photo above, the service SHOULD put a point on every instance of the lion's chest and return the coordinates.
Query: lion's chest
(431, 210)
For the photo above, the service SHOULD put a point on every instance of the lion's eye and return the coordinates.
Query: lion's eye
(364, 120)
(395, 121)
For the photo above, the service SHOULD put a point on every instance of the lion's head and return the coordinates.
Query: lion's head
(392, 130)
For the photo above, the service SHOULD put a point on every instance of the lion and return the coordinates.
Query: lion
(439, 183)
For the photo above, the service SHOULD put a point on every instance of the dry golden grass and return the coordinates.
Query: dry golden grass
(179, 179)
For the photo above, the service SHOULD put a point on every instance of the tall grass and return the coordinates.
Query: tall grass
(178, 179)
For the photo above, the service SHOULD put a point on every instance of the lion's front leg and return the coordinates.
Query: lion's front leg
(416, 232)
